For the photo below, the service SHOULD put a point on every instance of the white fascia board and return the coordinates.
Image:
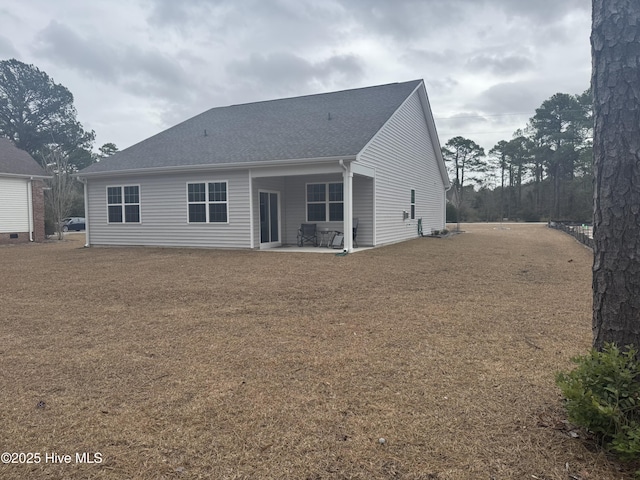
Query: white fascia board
(210, 167)
(26, 177)
(283, 171)
(361, 169)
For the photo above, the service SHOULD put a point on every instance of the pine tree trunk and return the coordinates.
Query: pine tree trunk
(615, 42)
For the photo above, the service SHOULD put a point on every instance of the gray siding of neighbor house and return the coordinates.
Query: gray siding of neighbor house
(164, 212)
(403, 156)
(14, 205)
(296, 205)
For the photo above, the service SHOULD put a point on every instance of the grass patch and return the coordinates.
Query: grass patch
(178, 363)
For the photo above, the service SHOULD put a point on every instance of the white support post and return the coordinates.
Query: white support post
(251, 212)
(87, 218)
(30, 208)
(348, 206)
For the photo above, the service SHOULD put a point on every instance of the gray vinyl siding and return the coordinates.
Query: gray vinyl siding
(363, 203)
(295, 188)
(403, 156)
(164, 212)
(296, 205)
(14, 205)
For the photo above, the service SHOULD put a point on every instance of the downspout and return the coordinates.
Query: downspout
(347, 178)
(30, 207)
(86, 212)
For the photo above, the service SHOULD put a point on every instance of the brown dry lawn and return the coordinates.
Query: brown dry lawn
(182, 363)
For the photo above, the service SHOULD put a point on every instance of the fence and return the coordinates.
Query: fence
(581, 232)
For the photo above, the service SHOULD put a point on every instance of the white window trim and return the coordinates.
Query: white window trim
(412, 211)
(207, 202)
(326, 202)
(122, 204)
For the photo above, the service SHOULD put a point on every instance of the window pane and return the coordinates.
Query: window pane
(316, 192)
(218, 192)
(336, 212)
(114, 195)
(413, 212)
(196, 192)
(264, 217)
(316, 212)
(217, 212)
(115, 214)
(131, 195)
(197, 212)
(336, 192)
(132, 213)
(413, 196)
(273, 215)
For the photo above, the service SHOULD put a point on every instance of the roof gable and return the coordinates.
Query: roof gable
(14, 161)
(308, 127)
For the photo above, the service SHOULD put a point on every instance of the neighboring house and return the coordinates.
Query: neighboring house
(247, 176)
(21, 195)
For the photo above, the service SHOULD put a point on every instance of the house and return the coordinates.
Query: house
(21, 195)
(247, 176)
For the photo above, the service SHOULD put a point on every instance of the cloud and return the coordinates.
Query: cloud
(7, 50)
(510, 97)
(141, 72)
(545, 10)
(248, 25)
(441, 86)
(404, 20)
(170, 12)
(446, 57)
(463, 120)
(157, 62)
(60, 43)
(498, 64)
(285, 72)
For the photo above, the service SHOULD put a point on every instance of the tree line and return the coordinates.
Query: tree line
(38, 115)
(543, 173)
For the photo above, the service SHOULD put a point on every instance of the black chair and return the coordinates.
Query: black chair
(338, 239)
(308, 232)
(355, 232)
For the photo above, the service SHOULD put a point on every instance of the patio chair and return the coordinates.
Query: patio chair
(308, 232)
(355, 232)
(338, 240)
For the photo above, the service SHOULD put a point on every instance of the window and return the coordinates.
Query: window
(123, 204)
(207, 202)
(325, 201)
(413, 204)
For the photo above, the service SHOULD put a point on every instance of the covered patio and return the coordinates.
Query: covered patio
(312, 249)
(329, 193)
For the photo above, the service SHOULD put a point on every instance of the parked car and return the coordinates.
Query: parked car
(73, 223)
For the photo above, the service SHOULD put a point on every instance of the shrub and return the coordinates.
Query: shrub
(603, 395)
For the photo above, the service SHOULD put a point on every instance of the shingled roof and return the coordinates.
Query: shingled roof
(309, 127)
(16, 162)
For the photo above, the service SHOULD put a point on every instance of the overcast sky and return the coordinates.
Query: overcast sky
(136, 67)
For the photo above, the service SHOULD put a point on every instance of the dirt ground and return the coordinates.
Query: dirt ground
(184, 363)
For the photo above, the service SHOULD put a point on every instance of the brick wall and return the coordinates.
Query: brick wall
(21, 237)
(38, 211)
